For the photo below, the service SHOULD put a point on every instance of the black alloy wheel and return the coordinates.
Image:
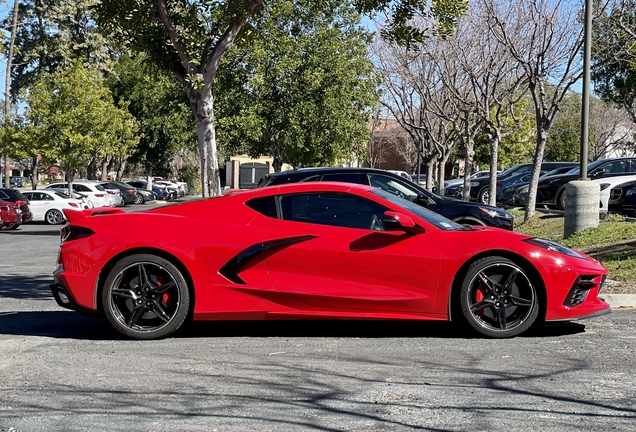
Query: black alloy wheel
(145, 297)
(498, 299)
(54, 217)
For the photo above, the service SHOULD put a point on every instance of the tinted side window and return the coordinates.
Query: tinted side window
(394, 186)
(264, 205)
(333, 209)
(80, 188)
(3, 196)
(343, 177)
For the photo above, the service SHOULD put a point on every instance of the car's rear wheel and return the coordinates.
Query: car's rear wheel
(139, 199)
(13, 226)
(54, 217)
(561, 200)
(145, 297)
(497, 298)
(484, 195)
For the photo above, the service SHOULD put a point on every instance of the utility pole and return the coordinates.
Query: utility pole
(7, 86)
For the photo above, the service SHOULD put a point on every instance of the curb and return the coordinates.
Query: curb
(619, 300)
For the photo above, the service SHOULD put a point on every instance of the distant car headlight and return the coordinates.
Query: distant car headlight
(604, 186)
(474, 184)
(523, 189)
(495, 212)
(553, 246)
(631, 192)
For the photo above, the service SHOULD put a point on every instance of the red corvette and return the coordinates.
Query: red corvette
(315, 251)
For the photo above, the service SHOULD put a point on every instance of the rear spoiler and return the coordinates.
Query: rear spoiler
(75, 215)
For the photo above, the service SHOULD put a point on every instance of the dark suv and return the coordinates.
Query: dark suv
(551, 190)
(453, 209)
(15, 196)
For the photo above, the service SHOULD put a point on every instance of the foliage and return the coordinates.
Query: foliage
(308, 90)
(614, 74)
(441, 14)
(53, 34)
(564, 142)
(72, 115)
(515, 148)
(190, 175)
(158, 103)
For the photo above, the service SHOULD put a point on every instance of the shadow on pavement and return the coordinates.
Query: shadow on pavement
(72, 325)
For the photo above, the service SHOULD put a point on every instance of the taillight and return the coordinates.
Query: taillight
(499, 185)
(21, 203)
(100, 195)
(72, 204)
(130, 191)
(72, 232)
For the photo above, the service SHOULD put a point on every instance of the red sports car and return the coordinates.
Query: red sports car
(315, 251)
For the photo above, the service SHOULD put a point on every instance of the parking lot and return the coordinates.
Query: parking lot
(62, 371)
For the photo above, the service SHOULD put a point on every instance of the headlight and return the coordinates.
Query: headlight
(495, 212)
(553, 246)
(604, 186)
(523, 189)
(631, 192)
(474, 184)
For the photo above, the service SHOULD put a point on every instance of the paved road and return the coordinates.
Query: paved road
(60, 371)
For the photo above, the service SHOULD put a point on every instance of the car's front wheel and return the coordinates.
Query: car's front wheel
(484, 195)
(498, 298)
(54, 217)
(145, 297)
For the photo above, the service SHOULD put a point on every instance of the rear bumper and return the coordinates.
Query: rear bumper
(65, 300)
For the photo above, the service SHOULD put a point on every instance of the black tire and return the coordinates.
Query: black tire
(561, 200)
(54, 217)
(13, 226)
(497, 298)
(145, 297)
(484, 195)
(139, 199)
(122, 202)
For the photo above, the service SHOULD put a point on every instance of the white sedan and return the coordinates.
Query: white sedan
(606, 184)
(48, 205)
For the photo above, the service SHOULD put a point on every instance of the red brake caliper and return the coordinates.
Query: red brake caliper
(480, 294)
(165, 297)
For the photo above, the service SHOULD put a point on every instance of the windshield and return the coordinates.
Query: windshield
(434, 218)
(590, 166)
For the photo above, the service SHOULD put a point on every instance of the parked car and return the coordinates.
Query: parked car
(15, 196)
(160, 192)
(623, 199)
(402, 174)
(480, 188)
(315, 250)
(517, 194)
(421, 180)
(454, 209)
(127, 193)
(551, 190)
(48, 205)
(460, 180)
(606, 184)
(181, 187)
(143, 196)
(10, 215)
(14, 181)
(96, 193)
(86, 202)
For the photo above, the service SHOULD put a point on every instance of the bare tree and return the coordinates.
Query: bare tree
(496, 81)
(545, 37)
(611, 131)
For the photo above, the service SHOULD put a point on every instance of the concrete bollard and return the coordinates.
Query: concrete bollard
(581, 206)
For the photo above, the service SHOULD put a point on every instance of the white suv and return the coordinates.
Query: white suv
(96, 193)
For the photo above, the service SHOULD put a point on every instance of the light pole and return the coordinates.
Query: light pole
(582, 196)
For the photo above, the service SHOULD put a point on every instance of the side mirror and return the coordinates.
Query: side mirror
(423, 200)
(394, 221)
(598, 174)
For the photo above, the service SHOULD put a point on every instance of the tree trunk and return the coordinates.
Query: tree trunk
(104, 175)
(7, 87)
(34, 173)
(494, 156)
(542, 137)
(469, 157)
(122, 168)
(203, 108)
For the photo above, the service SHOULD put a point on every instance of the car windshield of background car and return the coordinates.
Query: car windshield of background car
(433, 218)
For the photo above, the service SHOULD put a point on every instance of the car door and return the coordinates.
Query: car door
(331, 253)
(38, 203)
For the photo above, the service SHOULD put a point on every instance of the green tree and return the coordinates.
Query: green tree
(310, 86)
(72, 115)
(190, 38)
(158, 103)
